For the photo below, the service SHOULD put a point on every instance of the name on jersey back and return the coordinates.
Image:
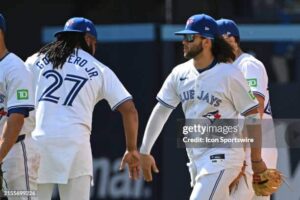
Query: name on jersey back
(72, 59)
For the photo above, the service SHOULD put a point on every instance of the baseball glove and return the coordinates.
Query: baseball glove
(267, 182)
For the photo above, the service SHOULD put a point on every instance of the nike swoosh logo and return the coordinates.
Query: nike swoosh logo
(183, 78)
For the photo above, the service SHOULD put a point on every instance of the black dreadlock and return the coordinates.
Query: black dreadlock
(58, 51)
(222, 51)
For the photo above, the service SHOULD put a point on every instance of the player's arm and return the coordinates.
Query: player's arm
(253, 125)
(261, 106)
(11, 130)
(158, 118)
(130, 124)
(168, 100)
(246, 103)
(119, 99)
(20, 102)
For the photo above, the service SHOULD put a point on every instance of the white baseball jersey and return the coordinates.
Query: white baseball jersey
(220, 89)
(16, 90)
(255, 73)
(65, 99)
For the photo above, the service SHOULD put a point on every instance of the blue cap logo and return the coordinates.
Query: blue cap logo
(69, 23)
(228, 27)
(201, 24)
(189, 21)
(80, 25)
(2, 23)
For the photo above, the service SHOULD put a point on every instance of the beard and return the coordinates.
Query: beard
(193, 52)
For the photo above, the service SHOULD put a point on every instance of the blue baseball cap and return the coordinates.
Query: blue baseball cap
(228, 27)
(2, 23)
(79, 25)
(201, 24)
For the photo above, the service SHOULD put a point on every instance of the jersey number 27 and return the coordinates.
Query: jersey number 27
(58, 81)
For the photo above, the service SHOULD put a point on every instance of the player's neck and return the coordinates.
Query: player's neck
(202, 61)
(238, 52)
(3, 50)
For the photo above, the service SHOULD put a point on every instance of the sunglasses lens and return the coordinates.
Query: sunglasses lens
(188, 37)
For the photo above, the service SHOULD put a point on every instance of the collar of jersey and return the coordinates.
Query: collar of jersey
(240, 57)
(214, 62)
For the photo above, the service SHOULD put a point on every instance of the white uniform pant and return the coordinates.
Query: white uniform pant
(20, 171)
(76, 188)
(214, 186)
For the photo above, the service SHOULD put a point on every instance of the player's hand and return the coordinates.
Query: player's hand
(234, 184)
(259, 167)
(132, 159)
(148, 165)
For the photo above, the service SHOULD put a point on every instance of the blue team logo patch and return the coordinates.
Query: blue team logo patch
(212, 116)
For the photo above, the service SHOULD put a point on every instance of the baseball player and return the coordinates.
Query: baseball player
(203, 86)
(70, 81)
(255, 73)
(16, 101)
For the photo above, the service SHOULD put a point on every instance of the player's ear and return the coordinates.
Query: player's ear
(91, 43)
(206, 43)
(87, 39)
(90, 39)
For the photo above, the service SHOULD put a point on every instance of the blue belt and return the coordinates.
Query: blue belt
(20, 138)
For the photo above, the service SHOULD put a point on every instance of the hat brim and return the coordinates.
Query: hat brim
(185, 32)
(67, 31)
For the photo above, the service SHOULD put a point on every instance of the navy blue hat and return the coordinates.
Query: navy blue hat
(201, 24)
(2, 23)
(228, 27)
(80, 25)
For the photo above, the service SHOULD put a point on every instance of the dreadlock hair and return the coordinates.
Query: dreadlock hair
(222, 51)
(58, 51)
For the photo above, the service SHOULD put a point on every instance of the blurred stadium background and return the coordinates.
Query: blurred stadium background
(136, 41)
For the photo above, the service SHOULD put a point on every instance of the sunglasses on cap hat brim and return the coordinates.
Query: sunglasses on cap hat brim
(191, 37)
